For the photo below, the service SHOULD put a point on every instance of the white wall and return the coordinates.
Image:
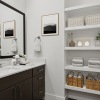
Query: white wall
(52, 46)
(19, 4)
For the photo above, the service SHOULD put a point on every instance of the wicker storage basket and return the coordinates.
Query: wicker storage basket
(92, 19)
(97, 83)
(70, 78)
(75, 81)
(90, 81)
(80, 80)
(75, 21)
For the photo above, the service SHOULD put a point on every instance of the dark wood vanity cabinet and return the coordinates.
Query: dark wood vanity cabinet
(22, 91)
(26, 85)
(38, 83)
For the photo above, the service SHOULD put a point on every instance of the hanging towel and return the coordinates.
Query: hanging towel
(14, 46)
(37, 44)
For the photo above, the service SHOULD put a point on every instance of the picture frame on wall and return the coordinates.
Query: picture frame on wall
(50, 24)
(9, 28)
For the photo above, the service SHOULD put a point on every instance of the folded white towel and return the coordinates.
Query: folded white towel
(94, 62)
(14, 47)
(77, 65)
(94, 66)
(37, 45)
(77, 61)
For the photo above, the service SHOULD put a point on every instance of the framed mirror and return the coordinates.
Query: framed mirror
(12, 31)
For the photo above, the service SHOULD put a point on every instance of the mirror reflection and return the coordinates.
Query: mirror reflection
(11, 32)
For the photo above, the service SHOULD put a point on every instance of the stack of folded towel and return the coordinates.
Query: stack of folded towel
(77, 61)
(94, 62)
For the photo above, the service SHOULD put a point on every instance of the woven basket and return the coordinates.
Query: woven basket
(92, 19)
(80, 81)
(90, 81)
(75, 81)
(97, 83)
(76, 21)
(70, 79)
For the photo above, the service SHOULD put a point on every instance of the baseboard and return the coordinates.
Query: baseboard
(53, 97)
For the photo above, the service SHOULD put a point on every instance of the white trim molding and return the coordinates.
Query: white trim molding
(53, 97)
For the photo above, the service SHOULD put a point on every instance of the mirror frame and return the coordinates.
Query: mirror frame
(18, 11)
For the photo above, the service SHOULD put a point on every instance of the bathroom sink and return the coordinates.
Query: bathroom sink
(7, 70)
(10, 68)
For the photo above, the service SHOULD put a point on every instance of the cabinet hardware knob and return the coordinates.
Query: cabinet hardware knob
(20, 93)
(41, 92)
(40, 70)
(15, 93)
(40, 78)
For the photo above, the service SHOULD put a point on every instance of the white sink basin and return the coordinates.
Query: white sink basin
(10, 68)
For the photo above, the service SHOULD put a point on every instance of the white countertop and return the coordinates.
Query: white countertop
(10, 70)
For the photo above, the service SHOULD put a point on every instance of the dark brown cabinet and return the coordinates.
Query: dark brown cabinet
(8, 94)
(27, 85)
(38, 83)
(24, 90)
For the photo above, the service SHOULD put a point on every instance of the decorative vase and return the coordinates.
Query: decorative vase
(71, 43)
(97, 43)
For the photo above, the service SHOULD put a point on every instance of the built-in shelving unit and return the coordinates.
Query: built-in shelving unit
(82, 48)
(82, 89)
(84, 68)
(85, 31)
(86, 6)
(82, 27)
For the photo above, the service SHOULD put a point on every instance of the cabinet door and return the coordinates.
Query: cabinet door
(8, 94)
(25, 90)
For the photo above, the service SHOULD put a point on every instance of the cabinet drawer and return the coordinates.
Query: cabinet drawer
(38, 81)
(39, 94)
(38, 70)
(14, 79)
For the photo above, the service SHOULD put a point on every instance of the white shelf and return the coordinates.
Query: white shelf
(82, 48)
(82, 89)
(84, 68)
(82, 7)
(82, 27)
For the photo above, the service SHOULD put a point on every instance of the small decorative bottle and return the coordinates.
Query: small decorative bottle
(72, 43)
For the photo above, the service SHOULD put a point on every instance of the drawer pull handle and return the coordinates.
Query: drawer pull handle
(40, 78)
(15, 93)
(40, 70)
(41, 92)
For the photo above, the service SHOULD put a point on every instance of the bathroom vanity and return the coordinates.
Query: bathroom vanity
(25, 83)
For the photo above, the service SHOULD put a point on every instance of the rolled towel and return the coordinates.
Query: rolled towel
(77, 61)
(37, 45)
(77, 65)
(94, 62)
(94, 66)
(14, 47)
